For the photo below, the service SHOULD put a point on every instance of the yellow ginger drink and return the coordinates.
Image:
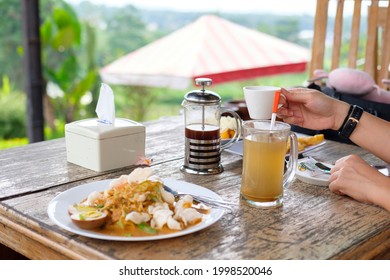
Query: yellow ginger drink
(263, 176)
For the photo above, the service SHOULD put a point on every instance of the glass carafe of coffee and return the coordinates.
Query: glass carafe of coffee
(202, 113)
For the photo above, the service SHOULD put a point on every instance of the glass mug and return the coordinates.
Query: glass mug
(263, 175)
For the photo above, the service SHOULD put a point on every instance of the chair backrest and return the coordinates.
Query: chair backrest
(377, 53)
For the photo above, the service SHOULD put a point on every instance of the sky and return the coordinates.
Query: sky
(293, 7)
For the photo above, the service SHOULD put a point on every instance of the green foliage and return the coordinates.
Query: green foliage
(134, 102)
(124, 33)
(6, 85)
(286, 28)
(11, 143)
(127, 36)
(61, 37)
(62, 30)
(12, 115)
(11, 41)
(54, 134)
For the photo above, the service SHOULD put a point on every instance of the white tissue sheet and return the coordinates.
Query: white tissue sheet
(105, 108)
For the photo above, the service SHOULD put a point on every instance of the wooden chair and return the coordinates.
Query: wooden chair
(377, 53)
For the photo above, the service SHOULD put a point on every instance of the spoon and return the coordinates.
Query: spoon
(314, 166)
(323, 167)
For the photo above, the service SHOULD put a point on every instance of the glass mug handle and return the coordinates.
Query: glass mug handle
(237, 134)
(288, 176)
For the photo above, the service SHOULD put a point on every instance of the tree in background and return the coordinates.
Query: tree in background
(72, 51)
(11, 49)
(120, 31)
(68, 64)
(125, 32)
(285, 28)
(12, 112)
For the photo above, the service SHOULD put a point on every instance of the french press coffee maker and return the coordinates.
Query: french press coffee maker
(202, 114)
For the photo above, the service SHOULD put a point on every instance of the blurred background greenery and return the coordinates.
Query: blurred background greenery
(78, 40)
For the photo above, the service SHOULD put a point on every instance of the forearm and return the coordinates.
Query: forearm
(373, 134)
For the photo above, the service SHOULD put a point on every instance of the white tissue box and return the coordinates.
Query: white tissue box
(103, 147)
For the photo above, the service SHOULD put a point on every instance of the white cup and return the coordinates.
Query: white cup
(259, 100)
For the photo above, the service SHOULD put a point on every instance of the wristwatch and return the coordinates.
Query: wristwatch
(351, 121)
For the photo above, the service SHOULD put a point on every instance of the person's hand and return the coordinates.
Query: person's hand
(352, 176)
(311, 109)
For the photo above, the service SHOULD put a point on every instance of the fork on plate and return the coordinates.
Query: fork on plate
(204, 199)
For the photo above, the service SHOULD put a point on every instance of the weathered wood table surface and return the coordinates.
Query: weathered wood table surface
(313, 223)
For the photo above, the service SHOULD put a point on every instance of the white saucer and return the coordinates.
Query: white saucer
(313, 178)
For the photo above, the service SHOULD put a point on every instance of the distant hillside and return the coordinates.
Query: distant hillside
(162, 22)
(171, 20)
(297, 29)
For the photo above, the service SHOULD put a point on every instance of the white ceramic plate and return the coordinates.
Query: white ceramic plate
(238, 147)
(318, 178)
(58, 210)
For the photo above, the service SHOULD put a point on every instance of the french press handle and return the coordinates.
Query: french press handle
(238, 131)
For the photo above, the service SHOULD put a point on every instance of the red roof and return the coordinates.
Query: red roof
(209, 47)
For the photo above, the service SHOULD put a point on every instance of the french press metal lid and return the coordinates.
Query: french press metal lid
(203, 96)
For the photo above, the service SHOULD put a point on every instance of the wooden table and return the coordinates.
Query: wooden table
(313, 223)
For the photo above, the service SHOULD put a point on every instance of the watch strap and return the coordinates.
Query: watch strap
(351, 121)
